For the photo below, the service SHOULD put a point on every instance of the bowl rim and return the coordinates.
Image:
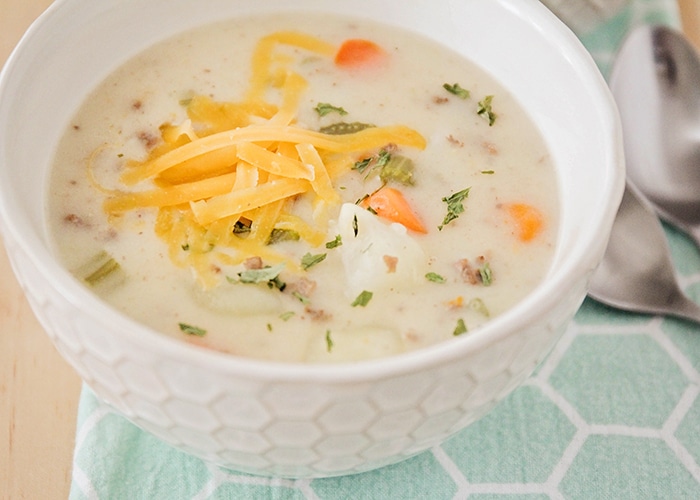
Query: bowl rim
(522, 316)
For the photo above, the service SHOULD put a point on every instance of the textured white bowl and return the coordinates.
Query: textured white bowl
(297, 420)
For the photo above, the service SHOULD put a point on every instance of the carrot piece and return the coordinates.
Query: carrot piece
(358, 52)
(390, 204)
(527, 219)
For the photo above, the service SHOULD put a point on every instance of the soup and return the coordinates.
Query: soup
(304, 188)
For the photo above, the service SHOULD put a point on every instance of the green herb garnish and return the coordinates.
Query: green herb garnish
(277, 283)
(486, 274)
(454, 206)
(268, 275)
(391, 167)
(363, 299)
(486, 110)
(460, 328)
(192, 330)
(343, 128)
(338, 241)
(302, 298)
(329, 341)
(324, 108)
(310, 260)
(355, 228)
(286, 316)
(435, 278)
(376, 161)
(457, 90)
(488, 172)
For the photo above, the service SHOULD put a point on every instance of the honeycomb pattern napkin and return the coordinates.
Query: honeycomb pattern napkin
(613, 413)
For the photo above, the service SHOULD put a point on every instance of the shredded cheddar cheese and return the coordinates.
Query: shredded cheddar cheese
(245, 162)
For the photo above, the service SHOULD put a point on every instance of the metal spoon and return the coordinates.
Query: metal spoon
(656, 84)
(636, 273)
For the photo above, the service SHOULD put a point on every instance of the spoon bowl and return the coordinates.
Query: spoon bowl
(656, 84)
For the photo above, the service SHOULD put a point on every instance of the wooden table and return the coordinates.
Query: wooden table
(38, 391)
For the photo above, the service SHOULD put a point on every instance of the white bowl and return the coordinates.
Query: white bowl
(298, 420)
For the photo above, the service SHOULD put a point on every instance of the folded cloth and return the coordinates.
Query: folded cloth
(612, 413)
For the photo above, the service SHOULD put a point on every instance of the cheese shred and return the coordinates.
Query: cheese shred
(225, 179)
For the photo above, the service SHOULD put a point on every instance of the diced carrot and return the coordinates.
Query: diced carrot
(358, 52)
(456, 302)
(390, 204)
(528, 220)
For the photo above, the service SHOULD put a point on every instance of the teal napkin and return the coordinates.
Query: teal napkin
(613, 413)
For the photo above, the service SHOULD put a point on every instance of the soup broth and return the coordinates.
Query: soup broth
(301, 188)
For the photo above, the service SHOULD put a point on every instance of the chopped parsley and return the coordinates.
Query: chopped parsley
(324, 108)
(486, 110)
(454, 206)
(488, 172)
(391, 167)
(372, 162)
(338, 241)
(435, 278)
(329, 341)
(309, 260)
(355, 229)
(302, 298)
(286, 316)
(192, 330)
(363, 299)
(268, 274)
(486, 274)
(362, 199)
(460, 328)
(457, 90)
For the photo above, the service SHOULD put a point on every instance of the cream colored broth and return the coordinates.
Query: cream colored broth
(501, 164)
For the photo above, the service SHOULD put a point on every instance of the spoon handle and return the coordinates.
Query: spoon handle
(693, 232)
(685, 308)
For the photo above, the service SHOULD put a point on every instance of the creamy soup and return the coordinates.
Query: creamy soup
(304, 189)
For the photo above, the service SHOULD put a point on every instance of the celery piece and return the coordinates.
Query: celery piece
(100, 269)
(399, 169)
(343, 128)
(277, 235)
